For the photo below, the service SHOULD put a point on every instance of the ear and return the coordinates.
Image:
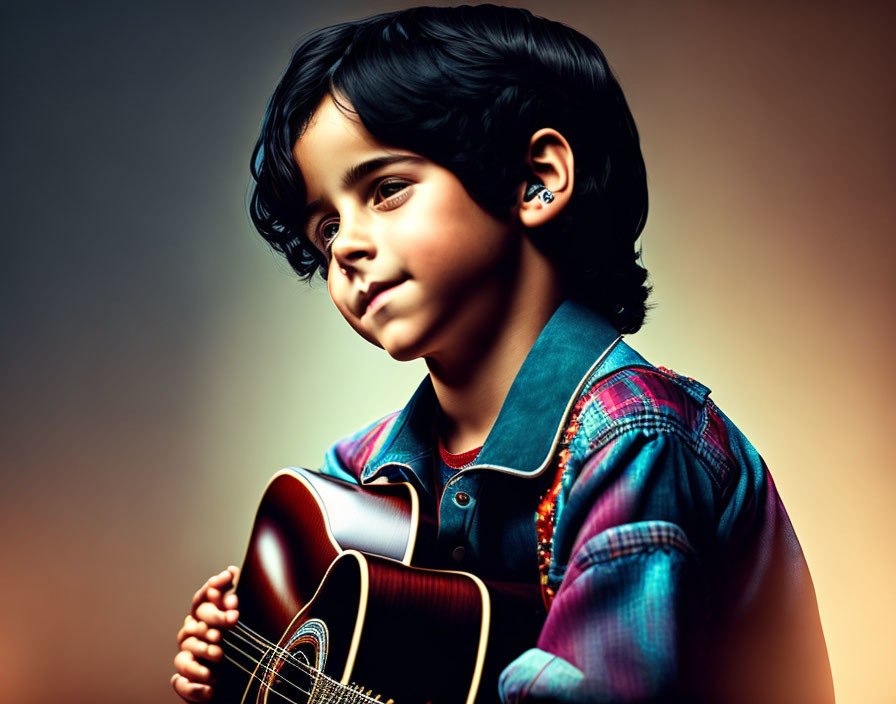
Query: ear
(551, 161)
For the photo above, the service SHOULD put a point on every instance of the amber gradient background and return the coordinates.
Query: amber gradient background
(159, 363)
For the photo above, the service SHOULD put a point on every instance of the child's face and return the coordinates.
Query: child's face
(415, 265)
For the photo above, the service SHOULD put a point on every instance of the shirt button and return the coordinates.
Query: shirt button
(462, 498)
(458, 553)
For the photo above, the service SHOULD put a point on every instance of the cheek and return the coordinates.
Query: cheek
(337, 289)
(450, 228)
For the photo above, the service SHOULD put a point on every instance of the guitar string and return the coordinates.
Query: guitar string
(267, 668)
(259, 638)
(283, 652)
(255, 639)
(310, 670)
(301, 666)
(289, 656)
(253, 676)
(358, 695)
(265, 644)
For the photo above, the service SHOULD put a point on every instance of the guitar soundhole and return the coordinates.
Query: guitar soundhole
(292, 668)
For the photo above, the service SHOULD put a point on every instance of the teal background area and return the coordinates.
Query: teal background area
(159, 363)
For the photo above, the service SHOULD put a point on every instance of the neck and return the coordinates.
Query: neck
(472, 377)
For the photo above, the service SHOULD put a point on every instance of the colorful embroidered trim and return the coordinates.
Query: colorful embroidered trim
(546, 513)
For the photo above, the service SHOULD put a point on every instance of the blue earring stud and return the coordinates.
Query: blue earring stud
(536, 189)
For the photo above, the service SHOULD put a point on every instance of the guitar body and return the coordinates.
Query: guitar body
(304, 521)
(332, 610)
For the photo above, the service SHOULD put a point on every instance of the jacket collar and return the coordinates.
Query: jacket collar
(524, 436)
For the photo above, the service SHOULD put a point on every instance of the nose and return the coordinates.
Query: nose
(353, 243)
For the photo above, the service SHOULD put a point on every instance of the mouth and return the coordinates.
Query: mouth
(376, 295)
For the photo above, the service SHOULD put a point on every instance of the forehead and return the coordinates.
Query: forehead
(331, 144)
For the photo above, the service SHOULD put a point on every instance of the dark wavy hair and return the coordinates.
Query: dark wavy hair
(466, 87)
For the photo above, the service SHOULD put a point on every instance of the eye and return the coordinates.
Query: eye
(327, 231)
(390, 193)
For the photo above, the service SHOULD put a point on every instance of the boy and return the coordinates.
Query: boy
(469, 182)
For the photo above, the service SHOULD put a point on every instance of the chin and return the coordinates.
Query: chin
(403, 356)
(401, 353)
(398, 349)
(402, 348)
(400, 339)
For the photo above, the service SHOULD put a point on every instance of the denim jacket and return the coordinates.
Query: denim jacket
(667, 564)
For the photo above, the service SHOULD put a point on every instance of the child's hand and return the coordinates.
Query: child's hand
(214, 608)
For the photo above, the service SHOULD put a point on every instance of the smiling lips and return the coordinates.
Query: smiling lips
(377, 295)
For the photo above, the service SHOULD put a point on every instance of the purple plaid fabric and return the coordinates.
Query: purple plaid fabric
(677, 572)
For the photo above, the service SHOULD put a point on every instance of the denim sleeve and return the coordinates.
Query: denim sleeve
(616, 629)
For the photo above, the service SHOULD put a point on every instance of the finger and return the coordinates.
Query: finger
(221, 598)
(214, 616)
(191, 691)
(187, 666)
(215, 596)
(231, 616)
(202, 649)
(211, 614)
(223, 579)
(192, 627)
(199, 596)
(219, 581)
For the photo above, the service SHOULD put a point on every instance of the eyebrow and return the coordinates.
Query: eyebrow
(365, 168)
(357, 173)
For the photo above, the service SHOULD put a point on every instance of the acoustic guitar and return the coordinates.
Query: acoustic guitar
(332, 609)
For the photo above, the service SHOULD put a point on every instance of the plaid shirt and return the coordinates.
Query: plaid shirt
(668, 566)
